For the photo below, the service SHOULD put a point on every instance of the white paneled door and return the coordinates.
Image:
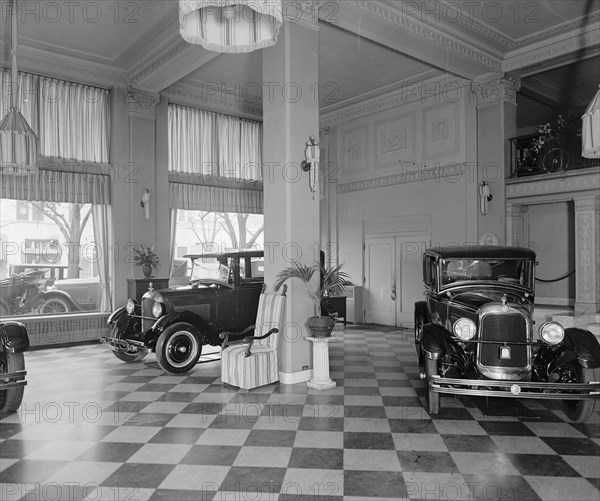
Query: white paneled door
(393, 278)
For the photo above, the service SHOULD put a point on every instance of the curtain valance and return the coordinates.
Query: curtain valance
(60, 181)
(191, 192)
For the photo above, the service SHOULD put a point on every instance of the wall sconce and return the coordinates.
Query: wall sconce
(484, 197)
(145, 203)
(311, 164)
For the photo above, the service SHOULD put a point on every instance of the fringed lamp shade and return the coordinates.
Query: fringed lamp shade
(230, 26)
(18, 145)
(590, 129)
(18, 142)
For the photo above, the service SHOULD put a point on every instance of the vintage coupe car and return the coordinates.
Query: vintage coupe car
(474, 333)
(14, 341)
(222, 295)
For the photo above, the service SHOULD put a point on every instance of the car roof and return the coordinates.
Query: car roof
(243, 253)
(482, 251)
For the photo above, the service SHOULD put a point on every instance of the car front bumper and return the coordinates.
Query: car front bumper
(122, 345)
(12, 380)
(514, 389)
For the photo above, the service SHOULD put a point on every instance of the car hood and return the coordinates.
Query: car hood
(184, 294)
(475, 299)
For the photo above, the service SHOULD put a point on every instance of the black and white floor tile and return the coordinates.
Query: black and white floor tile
(94, 428)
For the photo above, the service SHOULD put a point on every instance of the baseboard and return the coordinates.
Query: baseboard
(295, 377)
(58, 330)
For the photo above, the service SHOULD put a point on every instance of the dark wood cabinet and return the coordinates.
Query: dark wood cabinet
(137, 287)
(337, 304)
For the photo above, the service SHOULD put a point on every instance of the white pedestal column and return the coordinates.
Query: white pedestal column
(321, 379)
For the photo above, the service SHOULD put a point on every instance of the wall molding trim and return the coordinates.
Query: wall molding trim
(523, 189)
(412, 173)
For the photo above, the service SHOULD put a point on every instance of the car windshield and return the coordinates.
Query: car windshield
(508, 271)
(212, 268)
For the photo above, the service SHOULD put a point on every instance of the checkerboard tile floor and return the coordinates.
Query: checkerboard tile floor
(94, 428)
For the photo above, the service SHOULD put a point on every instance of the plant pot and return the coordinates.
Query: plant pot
(147, 270)
(320, 326)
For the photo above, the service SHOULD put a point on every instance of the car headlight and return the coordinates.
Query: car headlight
(465, 329)
(552, 332)
(158, 309)
(130, 306)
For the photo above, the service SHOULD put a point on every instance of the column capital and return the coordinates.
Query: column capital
(140, 102)
(587, 204)
(496, 88)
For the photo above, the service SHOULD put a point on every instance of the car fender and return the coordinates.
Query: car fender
(127, 326)
(434, 341)
(13, 337)
(585, 345)
(46, 296)
(175, 317)
(116, 315)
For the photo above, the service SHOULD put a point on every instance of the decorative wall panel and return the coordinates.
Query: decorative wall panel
(394, 141)
(441, 131)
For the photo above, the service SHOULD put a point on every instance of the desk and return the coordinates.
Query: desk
(137, 287)
(337, 304)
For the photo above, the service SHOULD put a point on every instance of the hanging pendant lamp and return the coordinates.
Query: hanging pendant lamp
(230, 26)
(18, 142)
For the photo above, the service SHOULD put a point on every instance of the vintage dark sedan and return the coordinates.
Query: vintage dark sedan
(14, 341)
(474, 333)
(222, 295)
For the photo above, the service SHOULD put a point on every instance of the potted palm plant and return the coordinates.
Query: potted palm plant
(147, 258)
(332, 283)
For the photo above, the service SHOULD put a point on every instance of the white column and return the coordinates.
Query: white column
(321, 379)
(587, 255)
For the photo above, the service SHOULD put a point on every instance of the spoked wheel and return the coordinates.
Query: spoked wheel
(55, 305)
(178, 348)
(128, 357)
(11, 399)
(580, 410)
(556, 159)
(432, 399)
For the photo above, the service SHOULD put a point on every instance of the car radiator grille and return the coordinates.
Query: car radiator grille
(506, 328)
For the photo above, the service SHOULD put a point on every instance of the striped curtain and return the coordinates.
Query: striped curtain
(71, 120)
(215, 162)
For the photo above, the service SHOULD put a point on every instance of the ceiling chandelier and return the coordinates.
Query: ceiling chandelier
(230, 26)
(18, 142)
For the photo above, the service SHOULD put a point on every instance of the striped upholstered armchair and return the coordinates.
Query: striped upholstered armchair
(254, 362)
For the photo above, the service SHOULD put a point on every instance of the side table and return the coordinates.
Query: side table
(321, 379)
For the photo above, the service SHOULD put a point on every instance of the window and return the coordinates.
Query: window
(49, 264)
(201, 232)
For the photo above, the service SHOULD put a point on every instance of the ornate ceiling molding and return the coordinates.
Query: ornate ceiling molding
(177, 46)
(496, 88)
(428, 34)
(551, 50)
(155, 36)
(73, 69)
(400, 94)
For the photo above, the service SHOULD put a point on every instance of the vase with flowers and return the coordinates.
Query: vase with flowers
(147, 258)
